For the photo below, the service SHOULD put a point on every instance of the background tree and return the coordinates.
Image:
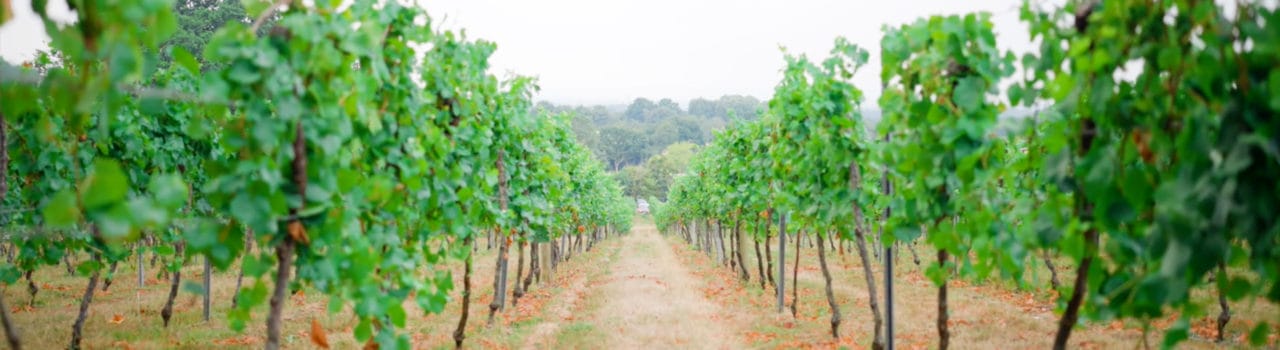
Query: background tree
(638, 111)
(653, 179)
(622, 146)
(703, 107)
(689, 130)
(586, 131)
(198, 20)
(740, 106)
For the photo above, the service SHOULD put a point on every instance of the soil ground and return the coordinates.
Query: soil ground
(651, 301)
(639, 291)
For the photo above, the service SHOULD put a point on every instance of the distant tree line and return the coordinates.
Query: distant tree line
(647, 143)
(624, 136)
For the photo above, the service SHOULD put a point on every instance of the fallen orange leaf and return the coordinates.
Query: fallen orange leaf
(298, 232)
(318, 335)
(122, 345)
(117, 319)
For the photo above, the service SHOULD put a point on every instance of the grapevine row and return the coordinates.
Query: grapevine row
(358, 148)
(1149, 163)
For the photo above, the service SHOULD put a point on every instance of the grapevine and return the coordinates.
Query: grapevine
(1166, 110)
(334, 142)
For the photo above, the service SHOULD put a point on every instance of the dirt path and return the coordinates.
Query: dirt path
(650, 300)
(542, 336)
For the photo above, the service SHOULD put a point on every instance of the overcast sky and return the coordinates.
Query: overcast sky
(611, 52)
(591, 51)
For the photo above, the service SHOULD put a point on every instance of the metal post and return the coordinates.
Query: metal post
(137, 296)
(888, 262)
(141, 267)
(782, 266)
(208, 286)
(888, 295)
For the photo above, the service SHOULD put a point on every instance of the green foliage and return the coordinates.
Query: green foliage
(726, 107)
(198, 21)
(1158, 137)
(940, 75)
(630, 135)
(816, 128)
(654, 177)
(1170, 162)
(402, 148)
(800, 158)
(623, 146)
(412, 147)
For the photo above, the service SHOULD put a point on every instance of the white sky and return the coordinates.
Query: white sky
(610, 52)
(593, 51)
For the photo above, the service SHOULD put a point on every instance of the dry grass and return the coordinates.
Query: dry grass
(650, 300)
(560, 324)
(639, 291)
(981, 316)
(47, 324)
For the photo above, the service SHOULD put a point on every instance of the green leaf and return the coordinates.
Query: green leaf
(9, 274)
(166, 23)
(145, 214)
(61, 212)
(192, 287)
(256, 266)
(250, 210)
(165, 250)
(243, 73)
(1273, 84)
(1168, 57)
(1062, 86)
(6, 11)
(436, 302)
(202, 236)
(123, 63)
(40, 7)
(969, 94)
(106, 185)
(363, 331)
(1237, 288)
(396, 312)
(255, 8)
(169, 190)
(185, 59)
(152, 105)
(116, 223)
(87, 267)
(1258, 336)
(237, 318)
(1180, 331)
(937, 274)
(1176, 256)
(1120, 211)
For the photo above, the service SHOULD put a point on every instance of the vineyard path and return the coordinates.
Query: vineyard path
(651, 300)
